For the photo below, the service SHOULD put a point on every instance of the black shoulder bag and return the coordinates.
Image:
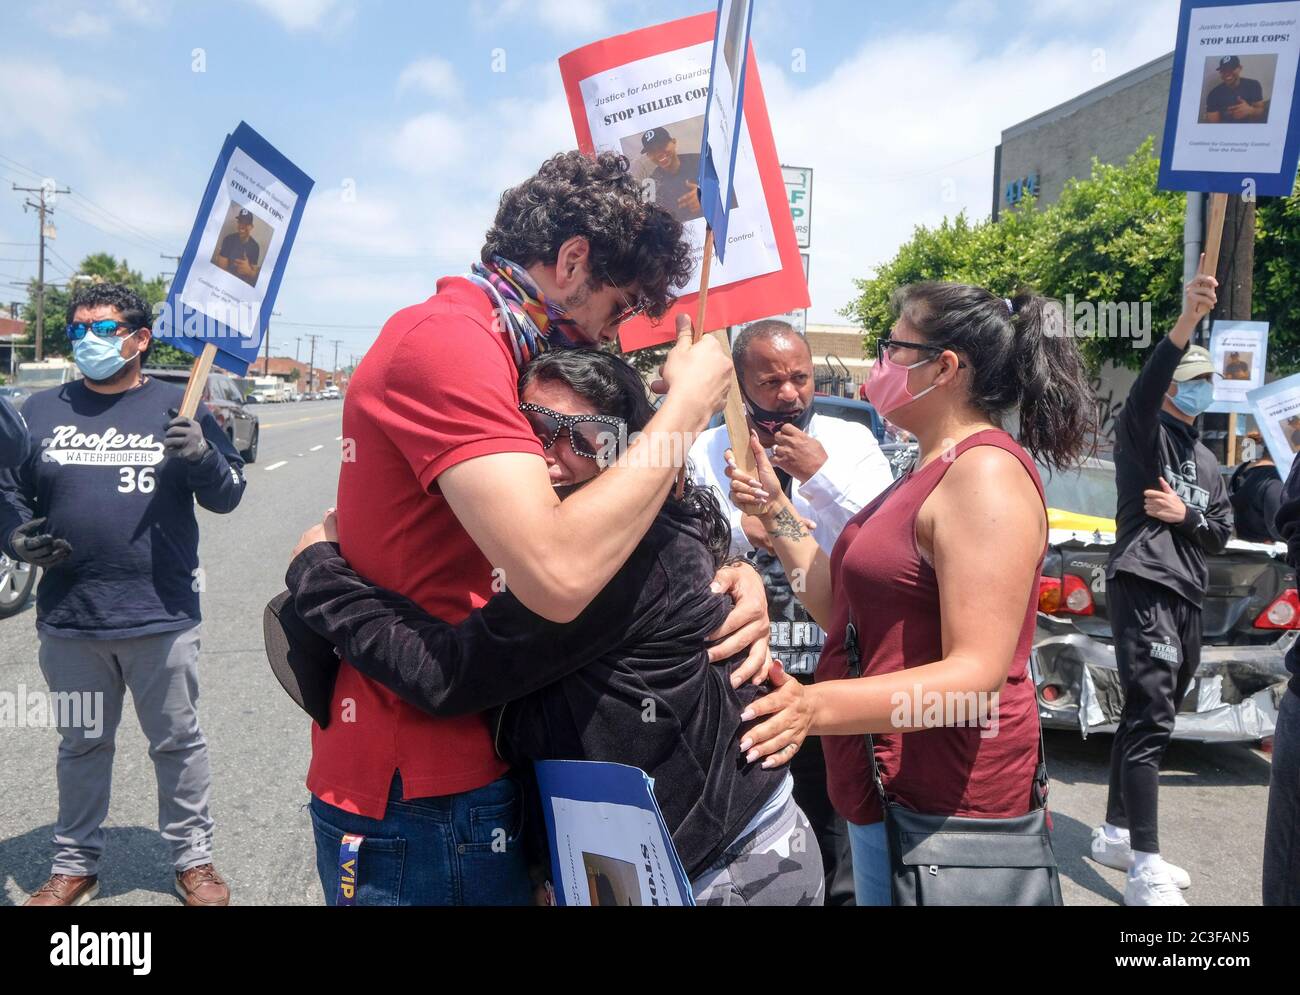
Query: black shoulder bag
(958, 860)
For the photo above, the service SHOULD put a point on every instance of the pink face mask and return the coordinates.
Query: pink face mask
(887, 390)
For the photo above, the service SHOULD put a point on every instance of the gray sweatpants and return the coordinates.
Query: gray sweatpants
(162, 674)
(779, 863)
(1282, 829)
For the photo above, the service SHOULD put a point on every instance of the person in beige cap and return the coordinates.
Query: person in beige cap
(1172, 510)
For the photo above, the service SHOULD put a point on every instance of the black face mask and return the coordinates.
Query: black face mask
(771, 421)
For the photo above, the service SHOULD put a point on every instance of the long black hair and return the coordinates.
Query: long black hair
(1021, 359)
(614, 388)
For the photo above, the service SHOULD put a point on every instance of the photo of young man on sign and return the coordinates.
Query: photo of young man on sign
(1233, 98)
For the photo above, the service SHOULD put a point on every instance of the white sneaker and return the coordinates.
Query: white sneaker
(1119, 855)
(1152, 887)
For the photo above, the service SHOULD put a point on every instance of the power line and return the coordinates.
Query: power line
(317, 324)
(104, 213)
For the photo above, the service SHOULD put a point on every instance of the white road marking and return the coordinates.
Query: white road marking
(276, 466)
(314, 448)
(338, 438)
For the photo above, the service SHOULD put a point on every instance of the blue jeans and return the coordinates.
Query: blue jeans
(871, 873)
(460, 849)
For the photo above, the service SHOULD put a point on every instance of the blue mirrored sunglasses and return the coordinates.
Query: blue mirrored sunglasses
(104, 329)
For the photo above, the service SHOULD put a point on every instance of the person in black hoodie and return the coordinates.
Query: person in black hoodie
(1172, 510)
(628, 681)
(1282, 826)
(1256, 492)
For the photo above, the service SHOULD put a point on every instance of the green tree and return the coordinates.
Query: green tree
(98, 267)
(1277, 277)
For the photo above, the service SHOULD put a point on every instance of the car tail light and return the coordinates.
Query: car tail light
(1068, 596)
(1283, 613)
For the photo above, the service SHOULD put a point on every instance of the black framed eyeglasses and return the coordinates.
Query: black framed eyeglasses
(592, 436)
(887, 344)
(104, 329)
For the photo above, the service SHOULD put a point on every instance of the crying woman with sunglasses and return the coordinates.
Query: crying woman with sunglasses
(628, 681)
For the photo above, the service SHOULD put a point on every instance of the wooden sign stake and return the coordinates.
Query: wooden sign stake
(198, 381)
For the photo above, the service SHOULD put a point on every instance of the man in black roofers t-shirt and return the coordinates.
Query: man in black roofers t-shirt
(103, 501)
(1172, 510)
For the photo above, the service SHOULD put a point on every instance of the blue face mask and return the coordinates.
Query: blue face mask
(99, 358)
(1194, 397)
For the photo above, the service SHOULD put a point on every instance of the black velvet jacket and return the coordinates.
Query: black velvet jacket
(628, 681)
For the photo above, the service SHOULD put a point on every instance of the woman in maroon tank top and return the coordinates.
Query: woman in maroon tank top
(939, 574)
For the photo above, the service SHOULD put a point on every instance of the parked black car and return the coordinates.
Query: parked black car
(226, 401)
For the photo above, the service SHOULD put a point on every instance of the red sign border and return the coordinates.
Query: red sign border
(747, 300)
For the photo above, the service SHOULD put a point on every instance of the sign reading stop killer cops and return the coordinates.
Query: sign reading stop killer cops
(644, 95)
(1239, 351)
(1233, 124)
(228, 277)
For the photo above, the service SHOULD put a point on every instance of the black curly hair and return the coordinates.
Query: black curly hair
(135, 309)
(615, 388)
(631, 238)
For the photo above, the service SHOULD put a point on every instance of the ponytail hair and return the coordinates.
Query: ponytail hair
(1020, 360)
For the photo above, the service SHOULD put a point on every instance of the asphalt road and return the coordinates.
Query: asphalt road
(1212, 797)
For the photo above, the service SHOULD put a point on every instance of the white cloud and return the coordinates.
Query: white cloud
(302, 15)
(86, 19)
(429, 142)
(583, 17)
(38, 98)
(433, 76)
(79, 24)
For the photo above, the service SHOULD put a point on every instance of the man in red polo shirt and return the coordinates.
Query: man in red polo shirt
(449, 499)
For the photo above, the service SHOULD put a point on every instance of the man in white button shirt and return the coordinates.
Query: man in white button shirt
(831, 468)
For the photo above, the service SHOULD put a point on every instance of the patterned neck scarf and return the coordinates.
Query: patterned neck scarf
(533, 323)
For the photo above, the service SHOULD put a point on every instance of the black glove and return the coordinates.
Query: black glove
(40, 549)
(185, 439)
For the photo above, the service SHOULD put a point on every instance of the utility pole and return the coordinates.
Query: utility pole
(335, 369)
(297, 345)
(42, 209)
(175, 259)
(311, 365)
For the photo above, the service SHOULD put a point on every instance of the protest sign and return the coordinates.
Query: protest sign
(798, 188)
(1239, 351)
(609, 844)
(643, 94)
(723, 118)
(1231, 125)
(798, 318)
(227, 279)
(1276, 408)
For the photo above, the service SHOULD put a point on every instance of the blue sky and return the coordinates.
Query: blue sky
(393, 108)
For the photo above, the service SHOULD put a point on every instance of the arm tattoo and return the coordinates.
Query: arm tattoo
(787, 526)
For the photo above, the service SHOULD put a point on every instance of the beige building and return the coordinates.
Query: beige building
(839, 358)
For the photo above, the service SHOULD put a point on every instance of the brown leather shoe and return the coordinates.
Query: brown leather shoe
(202, 886)
(66, 889)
